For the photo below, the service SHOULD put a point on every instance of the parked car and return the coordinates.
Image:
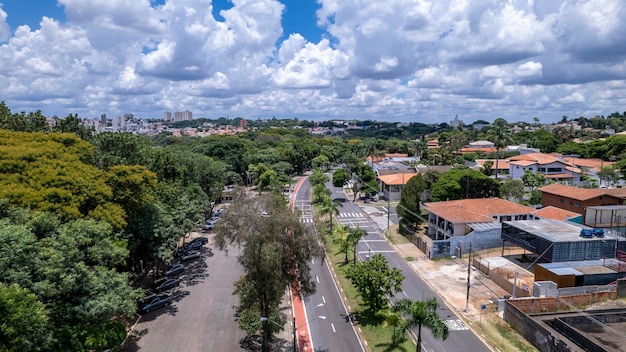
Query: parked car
(189, 255)
(202, 240)
(166, 284)
(153, 302)
(192, 246)
(174, 269)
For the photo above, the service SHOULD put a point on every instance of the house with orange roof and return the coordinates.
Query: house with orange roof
(578, 200)
(391, 184)
(452, 225)
(593, 165)
(551, 166)
(503, 166)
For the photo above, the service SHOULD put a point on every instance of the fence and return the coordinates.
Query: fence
(502, 278)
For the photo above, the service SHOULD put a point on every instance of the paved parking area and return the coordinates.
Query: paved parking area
(202, 315)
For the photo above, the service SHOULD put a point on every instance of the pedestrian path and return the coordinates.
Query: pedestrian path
(350, 215)
(455, 325)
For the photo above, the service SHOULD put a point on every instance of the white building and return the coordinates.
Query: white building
(551, 166)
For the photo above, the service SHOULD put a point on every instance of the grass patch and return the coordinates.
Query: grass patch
(501, 336)
(375, 332)
(395, 237)
(409, 259)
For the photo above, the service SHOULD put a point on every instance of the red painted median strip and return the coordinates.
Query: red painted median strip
(299, 311)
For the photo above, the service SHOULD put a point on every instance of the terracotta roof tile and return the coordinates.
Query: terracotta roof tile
(503, 164)
(475, 210)
(572, 192)
(555, 213)
(396, 179)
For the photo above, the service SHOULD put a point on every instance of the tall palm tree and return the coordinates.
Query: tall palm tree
(320, 192)
(330, 207)
(343, 233)
(354, 237)
(422, 313)
(500, 135)
(396, 320)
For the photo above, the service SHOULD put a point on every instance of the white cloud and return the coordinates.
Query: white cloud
(5, 31)
(424, 60)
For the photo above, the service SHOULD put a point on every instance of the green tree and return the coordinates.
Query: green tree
(320, 161)
(486, 169)
(396, 320)
(609, 175)
(343, 240)
(354, 236)
(330, 207)
(340, 177)
(273, 247)
(318, 177)
(268, 180)
(410, 198)
(320, 192)
(535, 197)
(500, 135)
(464, 183)
(512, 189)
(24, 324)
(533, 180)
(422, 314)
(374, 280)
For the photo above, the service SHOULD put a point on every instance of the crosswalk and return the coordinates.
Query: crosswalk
(455, 324)
(306, 219)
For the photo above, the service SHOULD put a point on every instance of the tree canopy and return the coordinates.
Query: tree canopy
(464, 183)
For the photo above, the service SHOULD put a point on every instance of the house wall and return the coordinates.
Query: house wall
(517, 171)
(574, 205)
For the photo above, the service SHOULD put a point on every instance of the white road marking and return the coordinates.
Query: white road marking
(456, 324)
(317, 278)
(323, 299)
(361, 252)
(312, 261)
(333, 326)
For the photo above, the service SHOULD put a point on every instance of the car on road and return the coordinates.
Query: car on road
(190, 255)
(166, 284)
(153, 302)
(174, 269)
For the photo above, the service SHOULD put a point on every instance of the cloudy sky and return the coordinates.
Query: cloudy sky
(392, 60)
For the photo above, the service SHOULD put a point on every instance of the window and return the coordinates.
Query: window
(577, 204)
(555, 169)
(561, 200)
(541, 169)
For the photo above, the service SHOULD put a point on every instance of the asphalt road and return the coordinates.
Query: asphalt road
(202, 317)
(413, 287)
(334, 331)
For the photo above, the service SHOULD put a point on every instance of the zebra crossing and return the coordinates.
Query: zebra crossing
(307, 219)
(455, 325)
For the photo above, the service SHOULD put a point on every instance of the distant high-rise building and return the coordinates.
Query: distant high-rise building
(183, 116)
(242, 123)
(456, 123)
(103, 119)
(167, 116)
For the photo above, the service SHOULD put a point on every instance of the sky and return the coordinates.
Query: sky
(393, 60)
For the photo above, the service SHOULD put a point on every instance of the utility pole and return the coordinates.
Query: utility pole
(469, 266)
(295, 339)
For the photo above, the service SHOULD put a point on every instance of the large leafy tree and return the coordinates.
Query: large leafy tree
(340, 177)
(512, 189)
(418, 314)
(410, 198)
(24, 324)
(120, 148)
(464, 183)
(276, 252)
(374, 280)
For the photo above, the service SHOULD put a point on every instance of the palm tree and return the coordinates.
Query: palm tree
(500, 135)
(422, 313)
(330, 207)
(344, 240)
(396, 320)
(320, 192)
(353, 239)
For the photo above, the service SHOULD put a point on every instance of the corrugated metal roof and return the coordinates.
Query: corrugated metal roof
(565, 271)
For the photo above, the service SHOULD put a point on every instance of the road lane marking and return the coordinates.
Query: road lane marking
(333, 326)
(455, 324)
(362, 252)
(323, 299)
(317, 278)
(312, 261)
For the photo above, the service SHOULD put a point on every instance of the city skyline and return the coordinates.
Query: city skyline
(398, 60)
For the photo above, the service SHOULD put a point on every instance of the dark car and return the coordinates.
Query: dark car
(189, 255)
(192, 246)
(153, 302)
(166, 284)
(202, 240)
(174, 269)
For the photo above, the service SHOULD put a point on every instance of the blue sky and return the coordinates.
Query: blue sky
(393, 60)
